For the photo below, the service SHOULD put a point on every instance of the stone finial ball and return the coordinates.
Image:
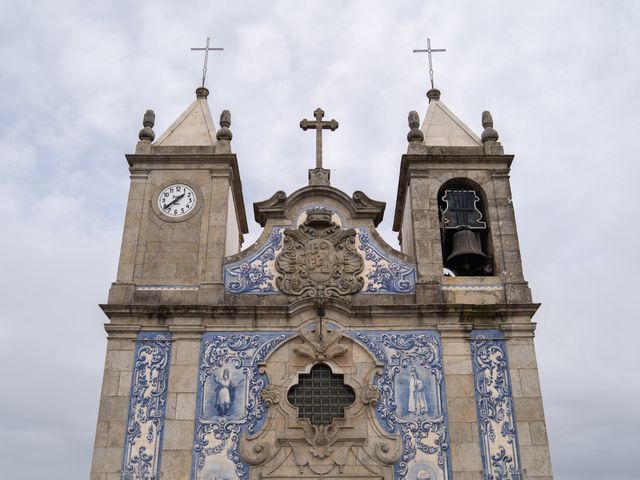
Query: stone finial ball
(225, 122)
(489, 134)
(147, 134)
(415, 134)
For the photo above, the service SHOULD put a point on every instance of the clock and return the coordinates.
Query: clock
(176, 200)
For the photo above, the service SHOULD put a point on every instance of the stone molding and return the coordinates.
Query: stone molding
(278, 207)
(160, 288)
(413, 166)
(225, 164)
(493, 313)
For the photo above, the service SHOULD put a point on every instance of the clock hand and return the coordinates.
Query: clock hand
(175, 199)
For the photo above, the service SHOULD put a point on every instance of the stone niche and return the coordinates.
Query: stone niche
(289, 445)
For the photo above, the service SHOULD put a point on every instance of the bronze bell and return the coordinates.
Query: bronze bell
(467, 253)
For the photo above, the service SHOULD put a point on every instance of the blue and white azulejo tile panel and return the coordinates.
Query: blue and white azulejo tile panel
(382, 273)
(412, 399)
(147, 406)
(494, 404)
(228, 400)
(255, 273)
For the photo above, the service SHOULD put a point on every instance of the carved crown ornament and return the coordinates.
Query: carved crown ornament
(319, 259)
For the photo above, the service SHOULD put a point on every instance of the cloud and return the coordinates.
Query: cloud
(559, 77)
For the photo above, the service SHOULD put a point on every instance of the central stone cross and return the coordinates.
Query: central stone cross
(319, 125)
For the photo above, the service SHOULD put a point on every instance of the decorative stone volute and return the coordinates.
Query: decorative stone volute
(254, 453)
(369, 395)
(388, 452)
(271, 395)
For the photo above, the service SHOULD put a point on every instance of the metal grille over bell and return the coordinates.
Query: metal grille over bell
(462, 232)
(321, 395)
(461, 210)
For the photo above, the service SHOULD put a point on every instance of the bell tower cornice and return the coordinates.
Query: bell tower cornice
(420, 165)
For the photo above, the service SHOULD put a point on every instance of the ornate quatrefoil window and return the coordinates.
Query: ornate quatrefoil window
(321, 395)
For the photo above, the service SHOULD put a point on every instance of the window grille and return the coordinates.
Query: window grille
(321, 395)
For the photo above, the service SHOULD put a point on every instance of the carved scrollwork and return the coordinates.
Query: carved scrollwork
(369, 395)
(318, 347)
(319, 259)
(294, 442)
(271, 395)
(321, 438)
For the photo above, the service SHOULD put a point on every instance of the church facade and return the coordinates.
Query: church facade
(320, 352)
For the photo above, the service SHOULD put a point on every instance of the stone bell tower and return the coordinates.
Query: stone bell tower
(455, 217)
(320, 351)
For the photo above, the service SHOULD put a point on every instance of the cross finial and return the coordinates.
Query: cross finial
(430, 50)
(206, 50)
(319, 125)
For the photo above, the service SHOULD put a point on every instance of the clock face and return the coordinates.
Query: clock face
(177, 200)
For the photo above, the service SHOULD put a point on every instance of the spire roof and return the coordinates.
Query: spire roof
(193, 128)
(443, 129)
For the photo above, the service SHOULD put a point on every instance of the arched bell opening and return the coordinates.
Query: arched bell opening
(464, 229)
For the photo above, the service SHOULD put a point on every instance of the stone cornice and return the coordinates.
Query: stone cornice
(253, 312)
(226, 164)
(359, 204)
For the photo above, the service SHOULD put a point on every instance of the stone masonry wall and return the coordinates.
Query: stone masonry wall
(529, 411)
(114, 406)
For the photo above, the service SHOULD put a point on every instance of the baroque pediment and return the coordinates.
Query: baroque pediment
(319, 258)
(359, 204)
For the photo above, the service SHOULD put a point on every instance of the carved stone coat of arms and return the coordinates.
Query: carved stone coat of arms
(319, 259)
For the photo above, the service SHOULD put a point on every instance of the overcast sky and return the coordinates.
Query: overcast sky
(560, 77)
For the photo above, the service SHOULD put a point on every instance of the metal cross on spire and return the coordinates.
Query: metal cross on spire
(319, 125)
(206, 50)
(429, 50)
